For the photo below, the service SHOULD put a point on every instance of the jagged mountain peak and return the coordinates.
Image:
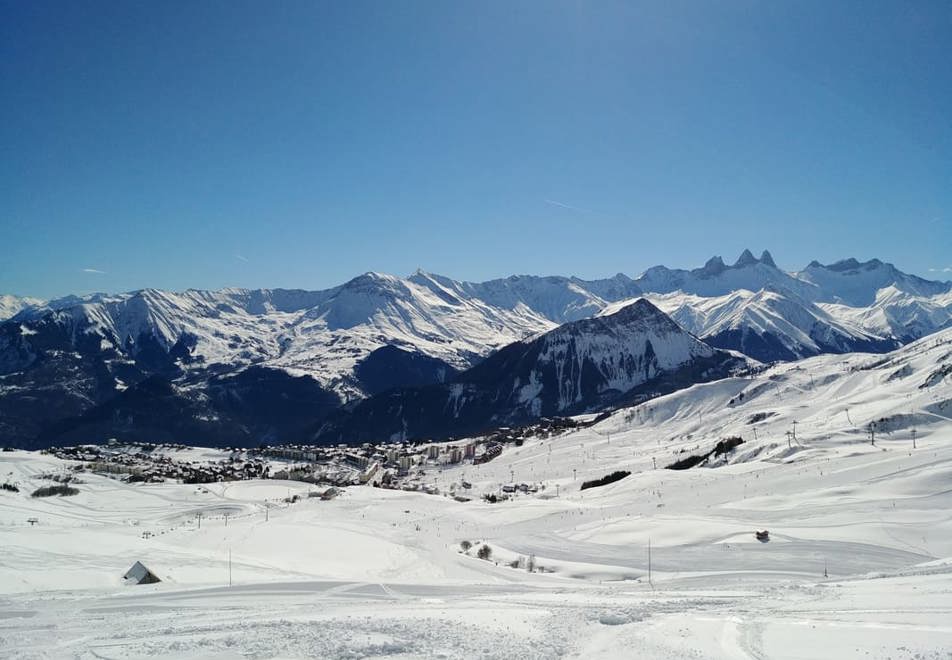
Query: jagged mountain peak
(640, 314)
(852, 265)
(845, 265)
(714, 266)
(746, 258)
(633, 309)
(637, 333)
(716, 278)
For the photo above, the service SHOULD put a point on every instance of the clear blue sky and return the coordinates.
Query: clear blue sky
(297, 144)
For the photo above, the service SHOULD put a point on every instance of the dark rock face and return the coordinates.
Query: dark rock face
(64, 382)
(767, 347)
(257, 405)
(760, 346)
(57, 371)
(390, 367)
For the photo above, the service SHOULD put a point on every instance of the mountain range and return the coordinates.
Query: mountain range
(238, 366)
(578, 367)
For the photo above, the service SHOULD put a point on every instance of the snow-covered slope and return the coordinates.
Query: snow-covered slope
(754, 307)
(830, 403)
(11, 305)
(624, 349)
(857, 284)
(558, 299)
(770, 325)
(579, 366)
(374, 310)
(322, 334)
(660, 564)
(897, 313)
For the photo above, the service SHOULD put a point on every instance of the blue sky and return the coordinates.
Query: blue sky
(297, 144)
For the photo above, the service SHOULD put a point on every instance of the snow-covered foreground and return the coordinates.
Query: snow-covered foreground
(859, 562)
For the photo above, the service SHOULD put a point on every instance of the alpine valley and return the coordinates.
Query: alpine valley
(384, 357)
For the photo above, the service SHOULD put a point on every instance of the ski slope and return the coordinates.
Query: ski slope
(859, 562)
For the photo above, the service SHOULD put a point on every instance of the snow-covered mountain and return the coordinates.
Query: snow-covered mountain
(771, 325)
(65, 358)
(578, 367)
(716, 278)
(419, 313)
(77, 360)
(754, 307)
(322, 334)
(850, 282)
(847, 282)
(898, 313)
(11, 305)
(557, 299)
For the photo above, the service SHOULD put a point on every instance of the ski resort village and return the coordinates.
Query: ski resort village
(390, 465)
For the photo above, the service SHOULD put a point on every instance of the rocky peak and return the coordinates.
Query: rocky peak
(746, 258)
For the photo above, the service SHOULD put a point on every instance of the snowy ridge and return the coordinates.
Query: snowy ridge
(558, 299)
(754, 307)
(224, 328)
(897, 313)
(770, 325)
(847, 282)
(716, 278)
(11, 305)
(856, 284)
(580, 366)
(322, 334)
(375, 310)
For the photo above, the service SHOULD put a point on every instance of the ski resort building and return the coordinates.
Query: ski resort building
(139, 574)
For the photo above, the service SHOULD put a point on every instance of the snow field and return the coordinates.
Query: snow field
(859, 562)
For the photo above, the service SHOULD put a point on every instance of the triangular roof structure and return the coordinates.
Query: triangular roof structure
(139, 574)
